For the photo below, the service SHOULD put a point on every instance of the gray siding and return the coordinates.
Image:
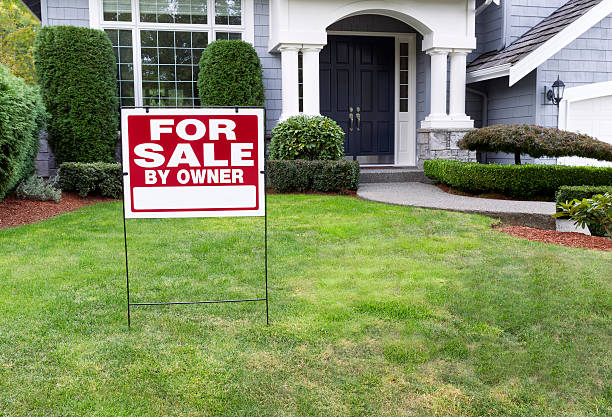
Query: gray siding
(270, 63)
(489, 30)
(66, 12)
(586, 60)
(525, 14)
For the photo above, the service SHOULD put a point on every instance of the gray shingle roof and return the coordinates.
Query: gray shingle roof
(536, 36)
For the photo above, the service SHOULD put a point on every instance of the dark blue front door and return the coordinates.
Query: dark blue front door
(357, 91)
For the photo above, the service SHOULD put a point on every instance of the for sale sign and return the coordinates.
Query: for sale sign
(193, 162)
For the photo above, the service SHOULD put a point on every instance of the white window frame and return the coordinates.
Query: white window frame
(96, 21)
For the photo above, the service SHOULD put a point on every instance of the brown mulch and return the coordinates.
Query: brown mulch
(17, 212)
(573, 240)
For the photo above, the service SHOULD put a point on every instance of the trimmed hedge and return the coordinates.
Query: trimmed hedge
(536, 141)
(105, 179)
(77, 74)
(517, 181)
(307, 137)
(322, 176)
(230, 75)
(22, 116)
(569, 193)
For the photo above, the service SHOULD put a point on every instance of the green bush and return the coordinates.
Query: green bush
(307, 137)
(321, 176)
(517, 181)
(594, 212)
(77, 74)
(36, 188)
(566, 194)
(230, 75)
(105, 179)
(22, 116)
(535, 141)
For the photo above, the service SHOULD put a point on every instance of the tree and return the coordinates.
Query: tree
(18, 27)
(536, 141)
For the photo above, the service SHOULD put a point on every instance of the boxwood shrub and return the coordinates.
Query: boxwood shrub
(22, 115)
(307, 137)
(536, 141)
(105, 179)
(517, 181)
(569, 193)
(322, 176)
(77, 74)
(230, 75)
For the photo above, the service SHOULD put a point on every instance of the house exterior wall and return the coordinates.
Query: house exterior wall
(489, 30)
(522, 15)
(271, 64)
(65, 12)
(586, 60)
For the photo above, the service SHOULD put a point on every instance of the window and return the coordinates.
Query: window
(122, 46)
(404, 71)
(158, 44)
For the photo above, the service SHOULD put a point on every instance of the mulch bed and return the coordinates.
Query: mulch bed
(573, 240)
(17, 212)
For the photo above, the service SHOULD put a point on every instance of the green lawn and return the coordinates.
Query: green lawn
(375, 310)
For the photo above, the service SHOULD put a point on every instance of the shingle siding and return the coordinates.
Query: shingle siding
(525, 14)
(586, 60)
(270, 63)
(489, 30)
(66, 12)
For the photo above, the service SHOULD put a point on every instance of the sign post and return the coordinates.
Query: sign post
(193, 162)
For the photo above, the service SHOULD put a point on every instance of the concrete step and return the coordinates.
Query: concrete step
(370, 175)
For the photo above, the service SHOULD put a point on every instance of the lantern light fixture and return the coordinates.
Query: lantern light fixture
(555, 93)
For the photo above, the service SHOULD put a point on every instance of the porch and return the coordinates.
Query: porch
(381, 69)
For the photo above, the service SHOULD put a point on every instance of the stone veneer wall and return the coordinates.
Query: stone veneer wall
(442, 144)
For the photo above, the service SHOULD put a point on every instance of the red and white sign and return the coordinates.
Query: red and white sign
(193, 162)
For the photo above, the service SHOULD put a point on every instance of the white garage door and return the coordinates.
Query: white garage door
(592, 116)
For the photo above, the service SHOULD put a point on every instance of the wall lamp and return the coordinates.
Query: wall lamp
(555, 94)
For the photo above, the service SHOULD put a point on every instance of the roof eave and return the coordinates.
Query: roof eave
(488, 73)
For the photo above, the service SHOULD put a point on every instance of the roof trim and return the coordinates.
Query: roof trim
(559, 41)
(488, 73)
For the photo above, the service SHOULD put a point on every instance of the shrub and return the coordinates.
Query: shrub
(77, 74)
(536, 141)
(518, 181)
(307, 137)
(568, 193)
(596, 210)
(91, 178)
(22, 115)
(35, 188)
(230, 75)
(322, 176)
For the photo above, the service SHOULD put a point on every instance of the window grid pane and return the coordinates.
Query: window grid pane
(228, 12)
(122, 48)
(229, 36)
(170, 67)
(174, 11)
(404, 71)
(117, 10)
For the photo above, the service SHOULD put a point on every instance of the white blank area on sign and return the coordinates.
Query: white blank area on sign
(194, 198)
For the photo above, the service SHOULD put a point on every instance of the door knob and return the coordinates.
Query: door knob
(358, 119)
(351, 118)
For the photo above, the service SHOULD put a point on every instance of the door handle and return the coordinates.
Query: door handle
(351, 118)
(358, 119)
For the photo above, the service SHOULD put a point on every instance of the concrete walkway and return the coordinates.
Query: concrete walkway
(524, 213)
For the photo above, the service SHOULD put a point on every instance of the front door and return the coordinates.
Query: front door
(357, 91)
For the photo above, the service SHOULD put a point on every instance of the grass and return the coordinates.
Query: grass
(376, 311)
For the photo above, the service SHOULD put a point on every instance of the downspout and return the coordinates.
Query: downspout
(485, 104)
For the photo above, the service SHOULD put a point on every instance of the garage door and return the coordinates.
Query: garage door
(592, 116)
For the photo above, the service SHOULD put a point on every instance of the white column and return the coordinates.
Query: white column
(310, 74)
(289, 73)
(437, 116)
(457, 89)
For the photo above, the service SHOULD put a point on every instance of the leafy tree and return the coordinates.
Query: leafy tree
(18, 27)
